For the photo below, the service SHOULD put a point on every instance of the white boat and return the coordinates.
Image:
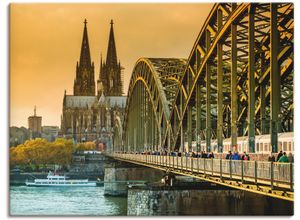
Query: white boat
(57, 180)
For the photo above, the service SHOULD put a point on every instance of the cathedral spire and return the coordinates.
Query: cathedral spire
(111, 57)
(85, 57)
(84, 83)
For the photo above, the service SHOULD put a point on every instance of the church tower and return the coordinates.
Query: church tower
(110, 76)
(84, 84)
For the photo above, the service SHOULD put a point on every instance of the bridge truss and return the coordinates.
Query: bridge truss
(237, 81)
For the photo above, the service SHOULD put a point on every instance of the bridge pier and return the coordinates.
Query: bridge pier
(185, 198)
(118, 175)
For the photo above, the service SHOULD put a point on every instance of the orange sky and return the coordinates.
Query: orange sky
(45, 41)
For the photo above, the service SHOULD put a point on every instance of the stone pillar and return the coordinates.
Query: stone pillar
(116, 177)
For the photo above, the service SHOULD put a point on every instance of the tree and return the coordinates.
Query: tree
(41, 152)
(85, 146)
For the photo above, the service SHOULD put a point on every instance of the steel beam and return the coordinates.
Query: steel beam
(198, 116)
(208, 97)
(181, 126)
(262, 93)
(274, 79)
(189, 127)
(251, 80)
(220, 87)
(233, 80)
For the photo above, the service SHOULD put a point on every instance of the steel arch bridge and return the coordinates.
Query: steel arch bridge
(152, 90)
(237, 81)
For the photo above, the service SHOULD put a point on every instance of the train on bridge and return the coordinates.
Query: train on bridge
(262, 144)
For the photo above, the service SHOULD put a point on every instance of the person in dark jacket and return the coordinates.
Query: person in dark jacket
(279, 155)
(211, 155)
(271, 158)
(203, 154)
(229, 155)
(193, 154)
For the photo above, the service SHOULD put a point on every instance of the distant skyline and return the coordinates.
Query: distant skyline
(45, 42)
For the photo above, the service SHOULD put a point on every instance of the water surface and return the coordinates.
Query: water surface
(64, 201)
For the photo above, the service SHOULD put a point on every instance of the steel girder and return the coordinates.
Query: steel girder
(239, 78)
(152, 89)
(117, 134)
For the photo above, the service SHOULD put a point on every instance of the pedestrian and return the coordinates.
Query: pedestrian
(245, 156)
(211, 155)
(271, 158)
(279, 155)
(283, 158)
(236, 156)
(229, 155)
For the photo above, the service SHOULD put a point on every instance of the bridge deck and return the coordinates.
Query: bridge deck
(267, 178)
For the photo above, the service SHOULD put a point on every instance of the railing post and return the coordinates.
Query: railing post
(186, 162)
(272, 175)
(221, 171)
(186, 159)
(291, 177)
(192, 164)
(204, 166)
(160, 159)
(181, 162)
(230, 168)
(255, 172)
(198, 163)
(177, 160)
(212, 166)
(173, 164)
(166, 161)
(242, 171)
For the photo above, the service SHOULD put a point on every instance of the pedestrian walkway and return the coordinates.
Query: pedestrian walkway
(268, 178)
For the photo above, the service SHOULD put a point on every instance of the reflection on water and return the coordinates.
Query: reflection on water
(239, 203)
(91, 201)
(64, 201)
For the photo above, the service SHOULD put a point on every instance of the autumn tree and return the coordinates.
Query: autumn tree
(85, 146)
(41, 152)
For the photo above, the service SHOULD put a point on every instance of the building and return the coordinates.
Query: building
(35, 125)
(50, 132)
(87, 116)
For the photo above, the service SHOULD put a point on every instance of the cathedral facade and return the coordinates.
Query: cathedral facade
(91, 116)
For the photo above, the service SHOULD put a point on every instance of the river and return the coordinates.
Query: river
(64, 201)
(90, 201)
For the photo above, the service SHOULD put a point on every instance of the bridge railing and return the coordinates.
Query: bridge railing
(274, 174)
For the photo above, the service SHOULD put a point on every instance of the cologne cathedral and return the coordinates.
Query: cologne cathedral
(91, 116)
